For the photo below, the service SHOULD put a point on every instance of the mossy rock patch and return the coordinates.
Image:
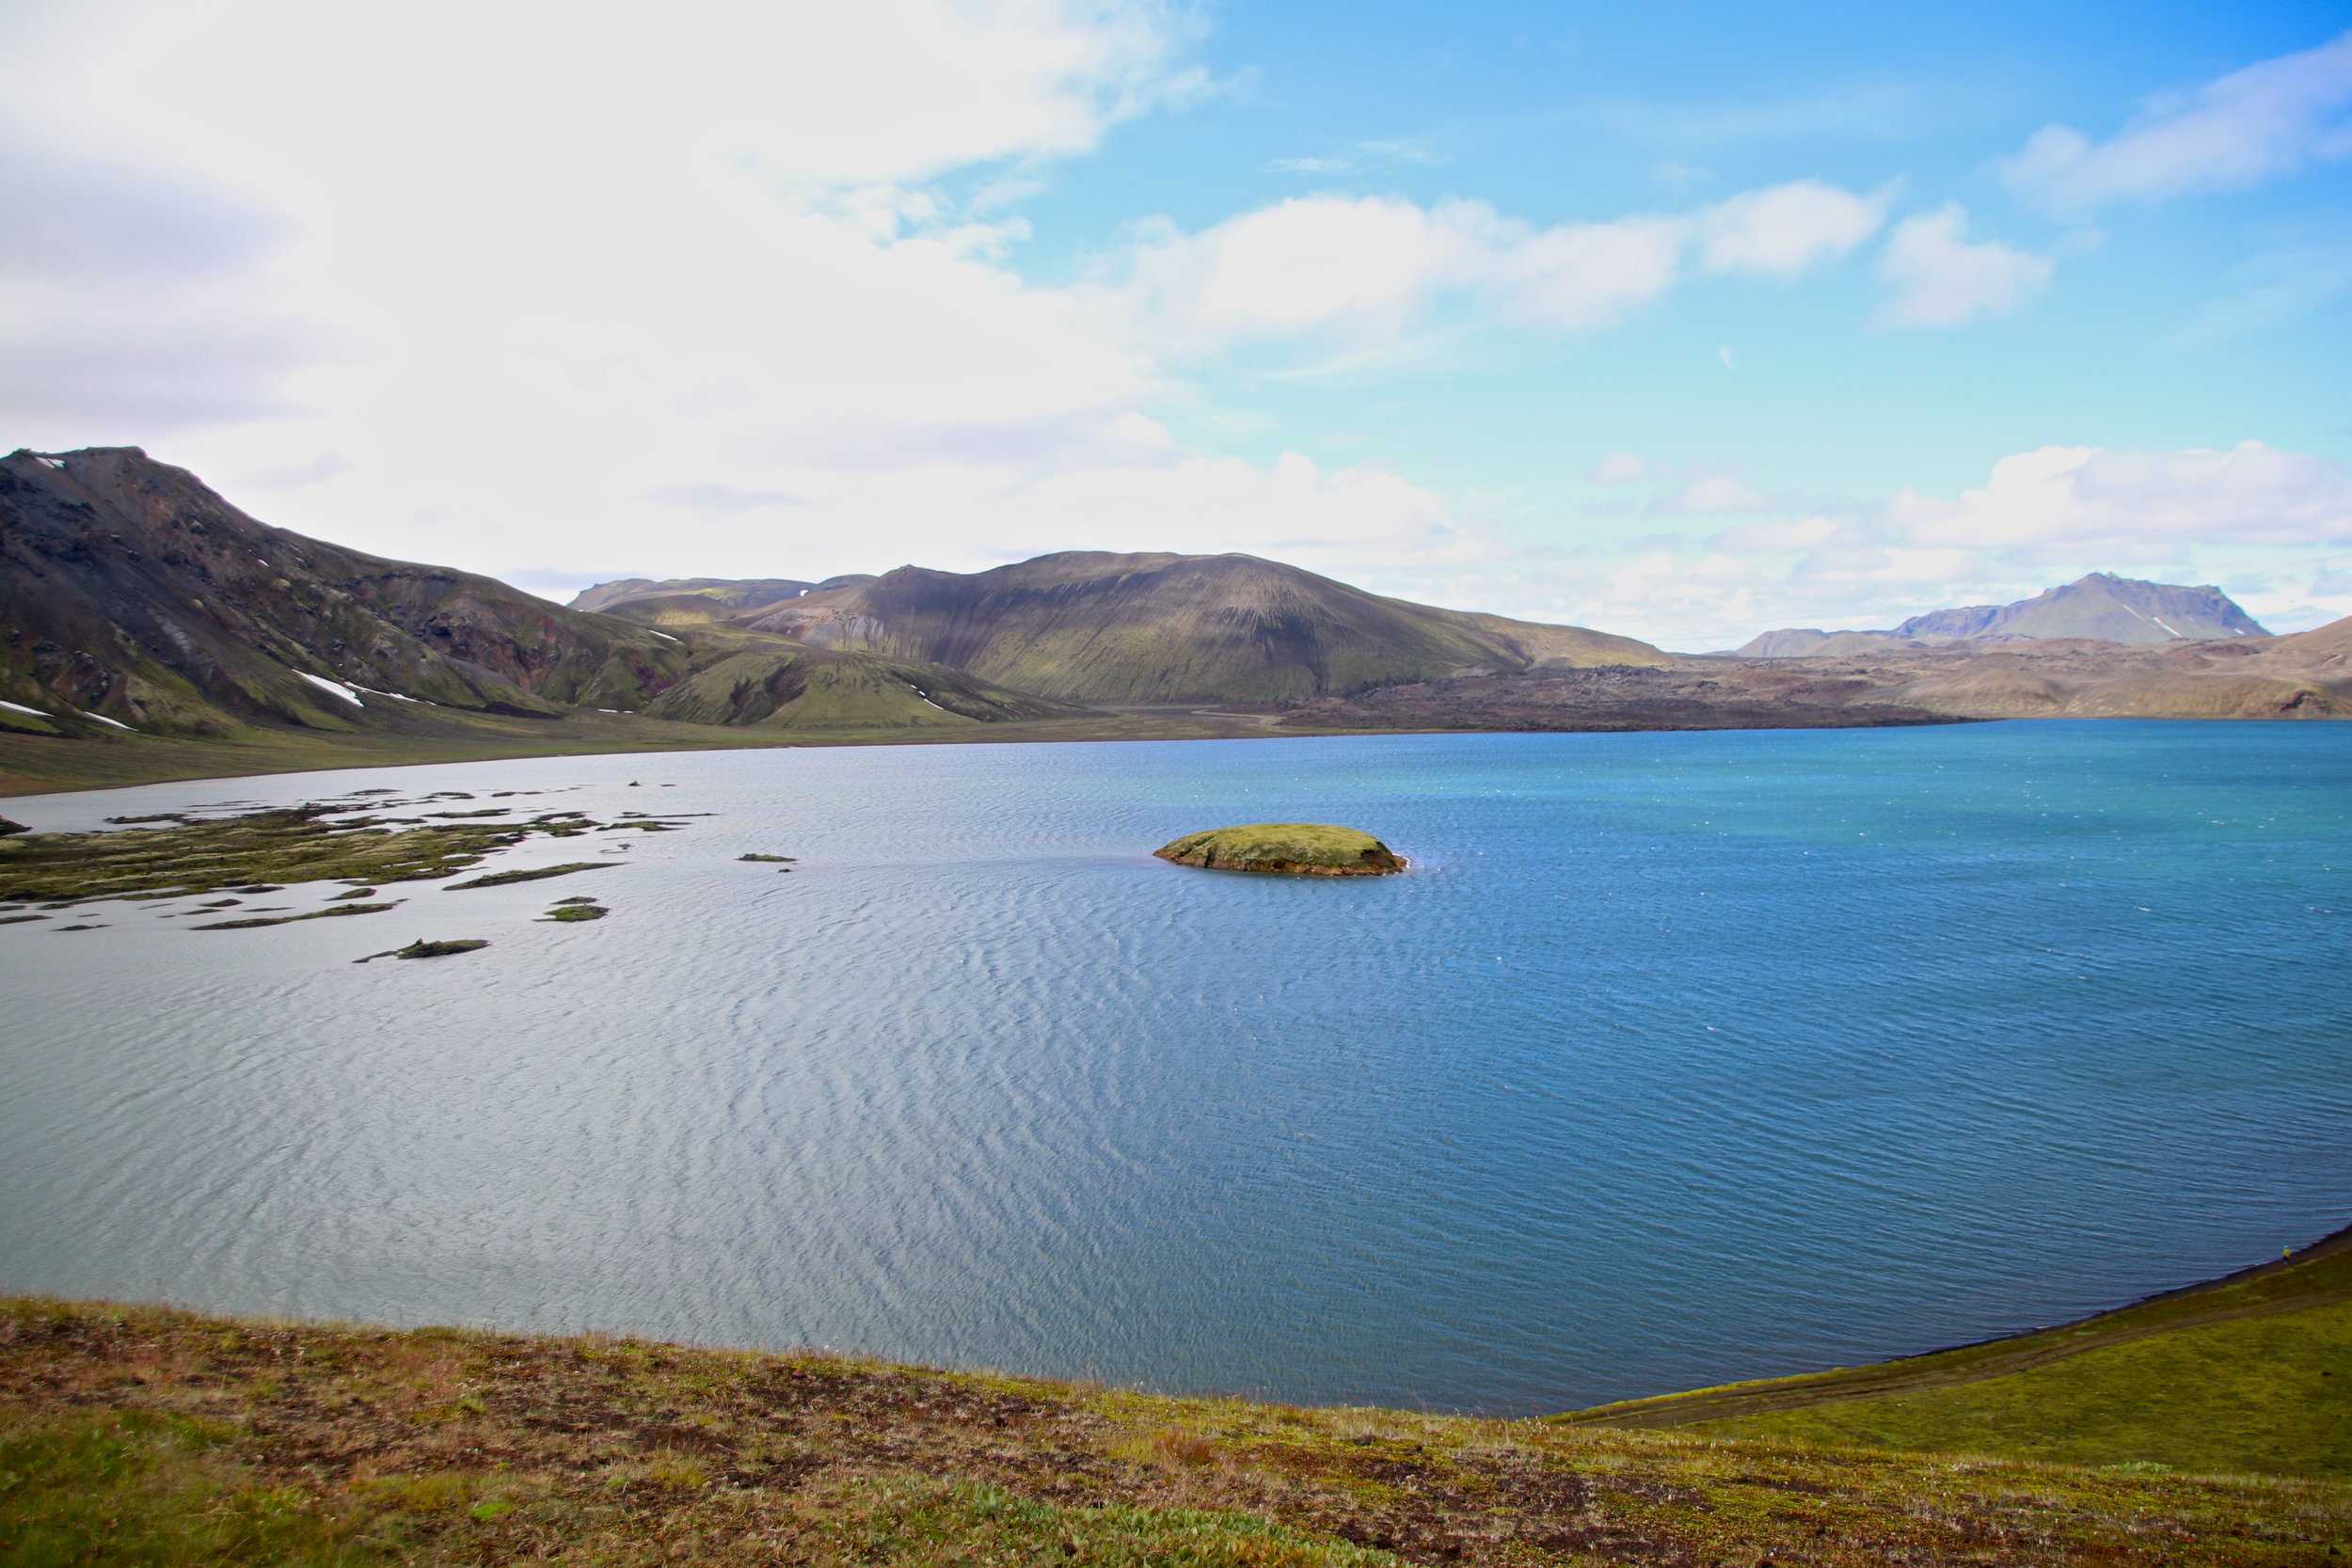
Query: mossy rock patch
(1292, 848)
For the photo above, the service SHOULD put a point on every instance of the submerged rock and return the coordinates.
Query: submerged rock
(507, 878)
(1294, 849)
(423, 949)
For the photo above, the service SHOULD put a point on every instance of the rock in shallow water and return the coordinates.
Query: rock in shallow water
(1295, 848)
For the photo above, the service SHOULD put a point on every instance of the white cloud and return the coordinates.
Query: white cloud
(1371, 266)
(2071, 498)
(2246, 127)
(1714, 492)
(1939, 279)
(1619, 468)
(1786, 229)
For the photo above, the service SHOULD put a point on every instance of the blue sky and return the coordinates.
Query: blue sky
(1682, 320)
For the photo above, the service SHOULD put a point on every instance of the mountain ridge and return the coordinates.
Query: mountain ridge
(2100, 606)
(135, 597)
(1161, 627)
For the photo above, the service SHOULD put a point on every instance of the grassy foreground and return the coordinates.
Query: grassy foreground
(2249, 1372)
(147, 1435)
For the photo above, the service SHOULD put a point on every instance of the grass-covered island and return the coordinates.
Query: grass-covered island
(147, 1435)
(1293, 848)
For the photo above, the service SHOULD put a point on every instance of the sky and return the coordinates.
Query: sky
(1684, 321)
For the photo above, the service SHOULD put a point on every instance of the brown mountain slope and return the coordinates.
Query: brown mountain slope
(131, 592)
(129, 589)
(1096, 628)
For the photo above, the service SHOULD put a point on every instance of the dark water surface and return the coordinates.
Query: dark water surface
(1676, 1058)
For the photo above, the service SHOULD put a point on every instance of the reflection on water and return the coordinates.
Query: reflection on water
(1676, 1058)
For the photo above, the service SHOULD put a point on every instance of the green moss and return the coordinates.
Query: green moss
(135, 1487)
(767, 858)
(1307, 848)
(255, 853)
(2270, 1394)
(290, 919)
(2245, 1374)
(948, 1523)
(576, 912)
(540, 873)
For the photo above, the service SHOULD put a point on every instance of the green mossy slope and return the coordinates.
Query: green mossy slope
(2249, 1373)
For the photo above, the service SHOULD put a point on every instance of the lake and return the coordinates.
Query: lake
(1674, 1060)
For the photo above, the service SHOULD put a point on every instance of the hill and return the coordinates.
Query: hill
(1138, 629)
(137, 1434)
(132, 592)
(2249, 1372)
(2101, 606)
(138, 602)
(737, 595)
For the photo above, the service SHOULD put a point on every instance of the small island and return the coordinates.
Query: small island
(1294, 849)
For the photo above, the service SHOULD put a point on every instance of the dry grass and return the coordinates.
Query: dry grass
(152, 1435)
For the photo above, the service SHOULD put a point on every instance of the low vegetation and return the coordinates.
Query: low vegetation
(301, 844)
(529, 874)
(138, 1434)
(1299, 848)
(2253, 1372)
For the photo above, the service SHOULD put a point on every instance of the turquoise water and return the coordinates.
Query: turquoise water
(1676, 1058)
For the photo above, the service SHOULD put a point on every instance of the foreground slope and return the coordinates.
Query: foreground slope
(2253, 1372)
(139, 1434)
(1093, 627)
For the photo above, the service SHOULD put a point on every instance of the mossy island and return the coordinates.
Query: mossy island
(1290, 849)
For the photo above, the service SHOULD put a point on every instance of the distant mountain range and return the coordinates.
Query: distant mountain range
(2101, 606)
(144, 617)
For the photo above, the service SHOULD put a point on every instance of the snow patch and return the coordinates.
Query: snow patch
(665, 637)
(20, 707)
(334, 688)
(51, 461)
(396, 696)
(104, 719)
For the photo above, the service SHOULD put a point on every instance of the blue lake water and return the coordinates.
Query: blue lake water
(1676, 1058)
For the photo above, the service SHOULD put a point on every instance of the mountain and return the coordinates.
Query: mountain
(736, 595)
(136, 598)
(2101, 606)
(132, 591)
(1139, 629)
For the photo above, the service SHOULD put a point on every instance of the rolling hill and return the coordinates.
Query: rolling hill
(1141, 630)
